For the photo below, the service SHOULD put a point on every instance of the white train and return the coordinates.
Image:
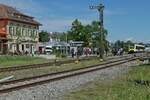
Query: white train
(136, 48)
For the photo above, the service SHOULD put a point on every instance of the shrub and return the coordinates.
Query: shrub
(63, 55)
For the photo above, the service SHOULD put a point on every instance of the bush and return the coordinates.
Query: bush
(58, 54)
(63, 55)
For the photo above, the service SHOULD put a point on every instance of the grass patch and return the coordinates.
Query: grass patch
(39, 71)
(118, 89)
(140, 73)
(11, 61)
(7, 61)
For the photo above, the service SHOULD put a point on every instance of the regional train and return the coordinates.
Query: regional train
(136, 48)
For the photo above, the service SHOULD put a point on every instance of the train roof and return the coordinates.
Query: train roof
(139, 45)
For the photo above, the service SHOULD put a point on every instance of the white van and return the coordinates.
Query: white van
(48, 49)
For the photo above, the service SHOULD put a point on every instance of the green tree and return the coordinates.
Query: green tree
(100, 39)
(107, 47)
(63, 36)
(122, 44)
(76, 30)
(84, 33)
(43, 36)
(80, 32)
(119, 44)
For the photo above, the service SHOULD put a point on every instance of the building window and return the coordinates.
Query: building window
(22, 47)
(10, 46)
(24, 32)
(11, 24)
(18, 31)
(14, 30)
(27, 45)
(0, 46)
(10, 30)
(30, 32)
(35, 33)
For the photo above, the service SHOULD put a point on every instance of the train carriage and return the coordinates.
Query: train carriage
(136, 48)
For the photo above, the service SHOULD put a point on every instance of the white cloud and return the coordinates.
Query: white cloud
(59, 24)
(26, 6)
(31, 7)
(19, 5)
(55, 25)
(130, 39)
(135, 40)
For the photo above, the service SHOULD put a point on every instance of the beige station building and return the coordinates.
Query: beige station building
(18, 31)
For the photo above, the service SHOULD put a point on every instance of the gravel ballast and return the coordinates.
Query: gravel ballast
(55, 90)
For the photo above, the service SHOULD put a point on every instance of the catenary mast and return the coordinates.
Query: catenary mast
(100, 9)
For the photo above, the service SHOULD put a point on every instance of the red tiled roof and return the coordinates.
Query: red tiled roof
(7, 12)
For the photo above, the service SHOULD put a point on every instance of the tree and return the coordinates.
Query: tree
(84, 33)
(80, 32)
(43, 36)
(100, 38)
(119, 44)
(87, 36)
(107, 46)
(76, 30)
(122, 44)
(64, 37)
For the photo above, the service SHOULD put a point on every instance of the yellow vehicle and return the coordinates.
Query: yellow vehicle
(136, 48)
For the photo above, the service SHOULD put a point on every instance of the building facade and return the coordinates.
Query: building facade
(18, 32)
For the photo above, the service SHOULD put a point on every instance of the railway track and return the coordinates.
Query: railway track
(15, 68)
(22, 67)
(14, 85)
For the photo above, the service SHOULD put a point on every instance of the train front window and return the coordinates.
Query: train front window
(139, 48)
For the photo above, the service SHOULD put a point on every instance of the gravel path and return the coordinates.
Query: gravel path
(54, 90)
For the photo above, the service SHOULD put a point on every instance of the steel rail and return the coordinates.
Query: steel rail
(72, 73)
(23, 67)
(59, 72)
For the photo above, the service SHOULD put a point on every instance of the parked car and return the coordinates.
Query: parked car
(48, 49)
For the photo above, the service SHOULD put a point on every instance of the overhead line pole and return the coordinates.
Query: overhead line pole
(100, 9)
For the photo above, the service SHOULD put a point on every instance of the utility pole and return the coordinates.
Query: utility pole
(66, 44)
(100, 9)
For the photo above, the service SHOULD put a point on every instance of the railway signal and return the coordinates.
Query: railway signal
(100, 9)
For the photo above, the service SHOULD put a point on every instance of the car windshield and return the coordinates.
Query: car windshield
(48, 48)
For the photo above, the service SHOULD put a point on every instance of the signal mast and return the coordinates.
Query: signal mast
(100, 9)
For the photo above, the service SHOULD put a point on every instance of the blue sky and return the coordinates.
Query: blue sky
(124, 19)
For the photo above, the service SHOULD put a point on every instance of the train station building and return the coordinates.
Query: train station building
(18, 31)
